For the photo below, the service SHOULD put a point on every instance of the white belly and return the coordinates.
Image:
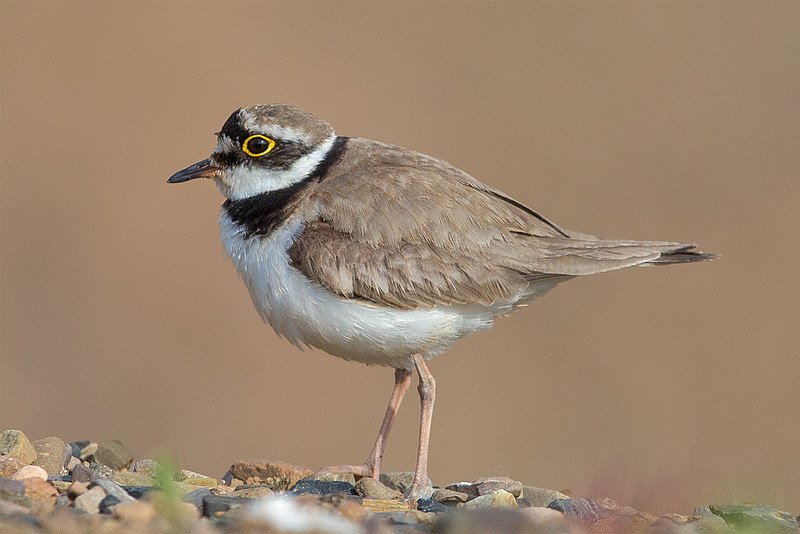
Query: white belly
(308, 314)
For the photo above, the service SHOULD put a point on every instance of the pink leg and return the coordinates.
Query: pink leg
(427, 396)
(372, 467)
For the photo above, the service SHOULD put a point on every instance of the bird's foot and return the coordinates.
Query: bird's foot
(359, 471)
(416, 492)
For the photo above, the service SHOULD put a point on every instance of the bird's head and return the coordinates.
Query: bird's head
(263, 148)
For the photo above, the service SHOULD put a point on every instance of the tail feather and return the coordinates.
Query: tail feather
(686, 255)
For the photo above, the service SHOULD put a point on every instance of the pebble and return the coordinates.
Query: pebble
(399, 480)
(77, 489)
(184, 474)
(486, 486)
(604, 514)
(81, 473)
(322, 487)
(108, 503)
(429, 505)
(335, 477)
(252, 492)
(113, 454)
(11, 487)
(72, 463)
(468, 488)
(369, 488)
(40, 491)
(541, 496)
(10, 465)
(99, 470)
(450, 497)
(89, 502)
(86, 450)
(202, 481)
(15, 443)
(111, 488)
(30, 471)
(50, 454)
(277, 475)
(196, 497)
(499, 499)
(145, 467)
(216, 505)
(749, 517)
(136, 512)
(128, 478)
(383, 505)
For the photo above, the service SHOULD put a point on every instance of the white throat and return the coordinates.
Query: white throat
(244, 182)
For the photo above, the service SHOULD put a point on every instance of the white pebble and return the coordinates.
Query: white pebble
(29, 471)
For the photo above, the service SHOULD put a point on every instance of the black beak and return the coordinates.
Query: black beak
(201, 169)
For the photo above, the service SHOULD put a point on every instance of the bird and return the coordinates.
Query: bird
(386, 256)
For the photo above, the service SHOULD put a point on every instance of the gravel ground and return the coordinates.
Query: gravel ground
(51, 486)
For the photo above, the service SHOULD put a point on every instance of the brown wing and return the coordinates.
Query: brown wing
(403, 229)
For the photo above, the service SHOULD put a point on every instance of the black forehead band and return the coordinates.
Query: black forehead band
(233, 128)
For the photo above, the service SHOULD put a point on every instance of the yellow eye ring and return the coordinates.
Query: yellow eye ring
(261, 145)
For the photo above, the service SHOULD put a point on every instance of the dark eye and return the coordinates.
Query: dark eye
(257, 145)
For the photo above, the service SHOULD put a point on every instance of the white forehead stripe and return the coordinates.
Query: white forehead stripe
(276, 131)
(244, 181)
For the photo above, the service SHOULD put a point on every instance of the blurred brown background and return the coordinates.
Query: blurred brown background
(663, 388)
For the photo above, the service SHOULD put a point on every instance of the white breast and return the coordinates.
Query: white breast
(307, 314)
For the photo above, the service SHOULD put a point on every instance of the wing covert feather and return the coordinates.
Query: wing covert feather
(403, 229)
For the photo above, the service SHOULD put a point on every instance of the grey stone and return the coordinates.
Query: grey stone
(585, 510)
(15, 443)
(81, 473)
(468, 488)
(109, 502)
(77, 446)
(399, 480)
(112, 488)
(541, 496)
(447, 496)
(145, 466)
(89, 502)
(335, 477)
(322, 487)
(216, 505)
(113, 454)
(11, 487)
(498, 499)
(100, 470)
(604, 515)
(71, 464)
(196, 497)
(50, 454)
(431, 506)
(488, 486)
(137, 492)
(369, 488)
(749, 517)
